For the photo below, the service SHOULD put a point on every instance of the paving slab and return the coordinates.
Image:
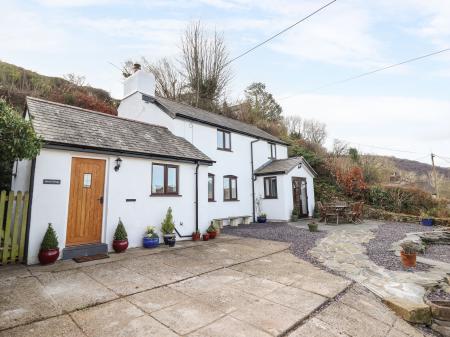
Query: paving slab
(73, 290)
(14, 271)
(226, 299)
(119, 279)
(24, 300)
(229, 327)
(268, 316)
(322, 283)
(187, 316)
(317, 328)
(302, 301)
(256, 286)
(157, 299)
(119, 318)
(52, 327)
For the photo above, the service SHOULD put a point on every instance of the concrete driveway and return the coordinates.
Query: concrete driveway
(226, 287)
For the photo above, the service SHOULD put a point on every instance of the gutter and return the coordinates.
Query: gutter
(253, 179)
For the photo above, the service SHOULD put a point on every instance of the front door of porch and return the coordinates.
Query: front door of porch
(300, 196)
(84, 223)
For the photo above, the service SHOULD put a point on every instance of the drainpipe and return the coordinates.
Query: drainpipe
(30, 201)
(253, 178)
(196, 196)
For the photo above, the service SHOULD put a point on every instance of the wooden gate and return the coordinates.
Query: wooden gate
(13, 222)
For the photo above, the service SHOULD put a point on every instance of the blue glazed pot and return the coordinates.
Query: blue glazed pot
(428, 221)
(151, 242)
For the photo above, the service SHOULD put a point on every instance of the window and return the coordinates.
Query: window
(270, 188)
(223, 140)
(272, 150)
(230, 188)
(210, 187)
(164, 179)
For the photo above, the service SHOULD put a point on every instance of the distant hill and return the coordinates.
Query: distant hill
(418, 167)
(16, 83)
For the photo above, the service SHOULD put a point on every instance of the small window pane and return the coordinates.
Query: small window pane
(171, 180)
(210, 187)
(227, 141)
(87, 179)
(273, 189)
(158, 179)
(226, 189)
(220, 144)
(233, 188)
(267, 187)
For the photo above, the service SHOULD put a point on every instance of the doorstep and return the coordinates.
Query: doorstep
(84, 250)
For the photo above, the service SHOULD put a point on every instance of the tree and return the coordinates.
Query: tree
(262, 103)
(354, 155)
(314, 131)
(294, 126)
(340, 148)
(18, 141)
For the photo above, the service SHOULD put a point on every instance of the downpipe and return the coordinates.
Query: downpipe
(253, 178)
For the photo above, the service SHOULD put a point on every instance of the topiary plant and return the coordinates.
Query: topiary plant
(120, 233)
(168, 226)
(50, 240)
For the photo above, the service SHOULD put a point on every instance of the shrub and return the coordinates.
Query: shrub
(50, 240)
(120, 233)
(168, 226)
(211, 229)
(410, 247)
(150, 232)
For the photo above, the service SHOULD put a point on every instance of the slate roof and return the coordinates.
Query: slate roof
(176, 109)
(282, 166)
(69, 126)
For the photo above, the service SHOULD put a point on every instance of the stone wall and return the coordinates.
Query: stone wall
(379, 214)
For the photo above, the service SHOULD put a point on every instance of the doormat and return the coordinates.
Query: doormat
(90, 258)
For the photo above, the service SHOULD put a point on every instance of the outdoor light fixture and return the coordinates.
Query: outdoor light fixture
(118, 162)
(299, 166)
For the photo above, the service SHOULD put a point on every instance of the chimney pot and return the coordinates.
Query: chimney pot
(136, 67)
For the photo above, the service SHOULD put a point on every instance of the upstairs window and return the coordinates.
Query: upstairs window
(211, 187)
(270, 188)
(230, 188)
(164, 179)
(272, 151)
(223, 140)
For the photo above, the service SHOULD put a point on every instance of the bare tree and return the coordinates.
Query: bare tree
(294, 126)
(204, 66)
(75, 79)
(314, 131)
(340, 148)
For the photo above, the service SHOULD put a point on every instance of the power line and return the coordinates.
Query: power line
(371, 72)
(385, 148)
(280, 32)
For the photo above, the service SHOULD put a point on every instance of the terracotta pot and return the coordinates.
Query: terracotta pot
(48, 256)
(195, 236)
(408, 260)
(120, 245)
(212, 235)
(205, 237)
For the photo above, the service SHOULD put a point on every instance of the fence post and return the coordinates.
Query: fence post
(16, 226)
(7, 238)
(23, 227)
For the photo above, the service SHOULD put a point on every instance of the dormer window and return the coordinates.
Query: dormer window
(223, 140)
(272, 151)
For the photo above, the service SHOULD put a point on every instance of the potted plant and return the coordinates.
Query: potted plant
(211, 232)
(313, 226)
(294, 214)
(196, 236)
(120, 242)
(205, 237)
(151, 239)
(49, 251)
(167, 228)
(408, 254)
(427, 219)
(262, 218)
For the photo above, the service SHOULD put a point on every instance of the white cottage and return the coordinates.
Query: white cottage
(95, 168)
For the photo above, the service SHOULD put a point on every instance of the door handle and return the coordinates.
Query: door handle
(101, 199)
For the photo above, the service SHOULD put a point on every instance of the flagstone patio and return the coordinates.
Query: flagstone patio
(226, 287)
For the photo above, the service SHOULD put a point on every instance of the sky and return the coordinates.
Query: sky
(403, 111)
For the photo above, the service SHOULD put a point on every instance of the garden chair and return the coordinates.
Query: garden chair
(322, 210)
(355, 214)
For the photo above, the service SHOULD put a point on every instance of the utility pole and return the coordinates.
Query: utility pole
(434, 175)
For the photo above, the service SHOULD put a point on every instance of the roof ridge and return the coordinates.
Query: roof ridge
(95, 112)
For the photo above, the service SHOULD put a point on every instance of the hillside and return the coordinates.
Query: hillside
(16, 83)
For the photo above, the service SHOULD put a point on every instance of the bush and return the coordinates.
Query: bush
(168, 226)
(150, 232)
(50, 240)
(120, 233)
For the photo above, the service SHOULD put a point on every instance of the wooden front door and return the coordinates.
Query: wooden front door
(84, 224)
(300, 195)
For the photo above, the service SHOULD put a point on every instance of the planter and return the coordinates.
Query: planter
(212, 235)
(150, 242)
(195, 236)
(120, 246)
(427, 221)
(171, 241)
(48, 256)
(408, 260)
(313, 227)
(167, 237)
(261, 219)
(205, 237)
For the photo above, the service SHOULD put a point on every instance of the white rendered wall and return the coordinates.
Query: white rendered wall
(21, 182)
(133, 181)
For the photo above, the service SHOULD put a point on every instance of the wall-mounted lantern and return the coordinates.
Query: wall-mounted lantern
(118, 162)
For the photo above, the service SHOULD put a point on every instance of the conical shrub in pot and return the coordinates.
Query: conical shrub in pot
(49, 251)
(120, 242)
(168, 228)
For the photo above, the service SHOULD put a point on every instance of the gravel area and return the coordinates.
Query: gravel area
(302, 240)
(438, 252)
(439, 295)
(386, 234)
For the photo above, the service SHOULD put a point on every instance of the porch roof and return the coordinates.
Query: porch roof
(66, 126)
(283, 166)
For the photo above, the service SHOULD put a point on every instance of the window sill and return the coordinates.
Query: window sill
(226, 150)
(211, 200)
(270, 198)
(231, 200)
(165, 195)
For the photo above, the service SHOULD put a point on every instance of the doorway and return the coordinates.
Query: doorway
(300, 196)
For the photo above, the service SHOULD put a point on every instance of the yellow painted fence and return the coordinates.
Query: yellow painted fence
(13, 223)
